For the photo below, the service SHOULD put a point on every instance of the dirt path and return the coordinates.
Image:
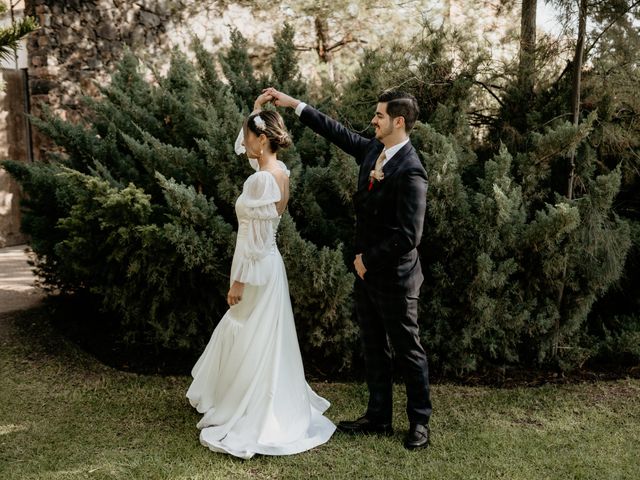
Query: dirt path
(17, 289)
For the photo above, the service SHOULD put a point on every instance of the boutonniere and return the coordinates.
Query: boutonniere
(375, 176)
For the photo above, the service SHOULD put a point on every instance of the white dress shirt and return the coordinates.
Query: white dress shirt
(391, 151)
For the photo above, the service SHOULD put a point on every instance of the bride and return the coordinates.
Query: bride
(249, 382)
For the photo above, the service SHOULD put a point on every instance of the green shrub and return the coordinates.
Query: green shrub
(138, 211)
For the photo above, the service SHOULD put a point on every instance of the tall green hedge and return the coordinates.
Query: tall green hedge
(138, 211)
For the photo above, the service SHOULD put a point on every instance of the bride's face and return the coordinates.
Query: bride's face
(252, 143)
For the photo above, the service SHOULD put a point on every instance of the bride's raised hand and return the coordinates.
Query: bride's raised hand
(261, 100)
(281, 99)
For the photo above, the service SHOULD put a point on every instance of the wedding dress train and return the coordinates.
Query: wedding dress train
(249, 382)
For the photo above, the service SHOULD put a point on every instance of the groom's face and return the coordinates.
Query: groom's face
(382, 122)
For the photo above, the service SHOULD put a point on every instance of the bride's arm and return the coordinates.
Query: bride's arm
(260, 101)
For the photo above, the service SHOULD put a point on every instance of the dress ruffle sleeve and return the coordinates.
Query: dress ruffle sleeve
(259, 196)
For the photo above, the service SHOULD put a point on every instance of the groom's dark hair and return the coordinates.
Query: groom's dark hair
(401, 104)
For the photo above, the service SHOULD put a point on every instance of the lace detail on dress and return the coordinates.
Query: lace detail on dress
(257, 224)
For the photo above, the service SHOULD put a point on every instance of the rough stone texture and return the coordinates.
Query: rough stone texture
(80, 43)
(149, 19)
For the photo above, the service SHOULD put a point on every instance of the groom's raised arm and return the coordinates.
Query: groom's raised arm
(335, 132)
(351, 142)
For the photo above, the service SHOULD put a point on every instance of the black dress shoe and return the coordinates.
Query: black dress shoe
(365, 426)
(418, 437)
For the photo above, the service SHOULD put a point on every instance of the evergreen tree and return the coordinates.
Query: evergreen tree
(239, 72)
(137, 210)
(137, 205)
(574, 178)
(495, 256)
(610, 88)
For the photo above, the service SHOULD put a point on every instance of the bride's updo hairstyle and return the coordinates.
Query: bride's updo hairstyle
(270, 123)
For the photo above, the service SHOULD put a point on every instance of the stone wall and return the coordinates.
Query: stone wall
(78, 45)
(81, 41)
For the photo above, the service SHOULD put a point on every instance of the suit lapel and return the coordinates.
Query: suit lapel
(389, 169)
(392, 165)
(369, 164)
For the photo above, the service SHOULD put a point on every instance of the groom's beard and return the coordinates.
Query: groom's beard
(382, 133)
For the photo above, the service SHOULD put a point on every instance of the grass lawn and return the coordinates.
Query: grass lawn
(63, 415)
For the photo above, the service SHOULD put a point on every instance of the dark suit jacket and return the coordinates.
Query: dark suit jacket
(390, 216)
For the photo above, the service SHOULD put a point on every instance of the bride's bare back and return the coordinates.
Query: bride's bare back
(282, 179)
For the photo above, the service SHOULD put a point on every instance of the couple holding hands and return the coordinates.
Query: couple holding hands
(249, 382)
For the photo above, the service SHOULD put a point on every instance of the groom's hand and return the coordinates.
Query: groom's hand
(281, 99)
(360, 268)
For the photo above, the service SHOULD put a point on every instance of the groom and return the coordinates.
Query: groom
(390, 205)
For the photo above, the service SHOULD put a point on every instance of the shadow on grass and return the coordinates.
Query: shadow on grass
(72, 328)
(77, 320)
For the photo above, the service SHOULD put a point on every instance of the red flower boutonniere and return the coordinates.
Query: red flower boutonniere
(375, 175)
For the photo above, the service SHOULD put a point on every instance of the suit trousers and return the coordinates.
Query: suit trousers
(391, 320)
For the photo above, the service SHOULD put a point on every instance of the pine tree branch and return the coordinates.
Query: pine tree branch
(482, 117)
(478, 119)
(335, 46)
(556, 118)
(611, 24)
(346, 40)
(10, 36)
(486, 87)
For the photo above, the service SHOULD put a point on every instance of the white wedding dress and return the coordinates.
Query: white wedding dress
(249, 382)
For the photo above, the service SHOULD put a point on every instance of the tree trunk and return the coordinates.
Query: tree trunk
(575, 112)
(322, 40)
(577, 79)
(527, 65)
